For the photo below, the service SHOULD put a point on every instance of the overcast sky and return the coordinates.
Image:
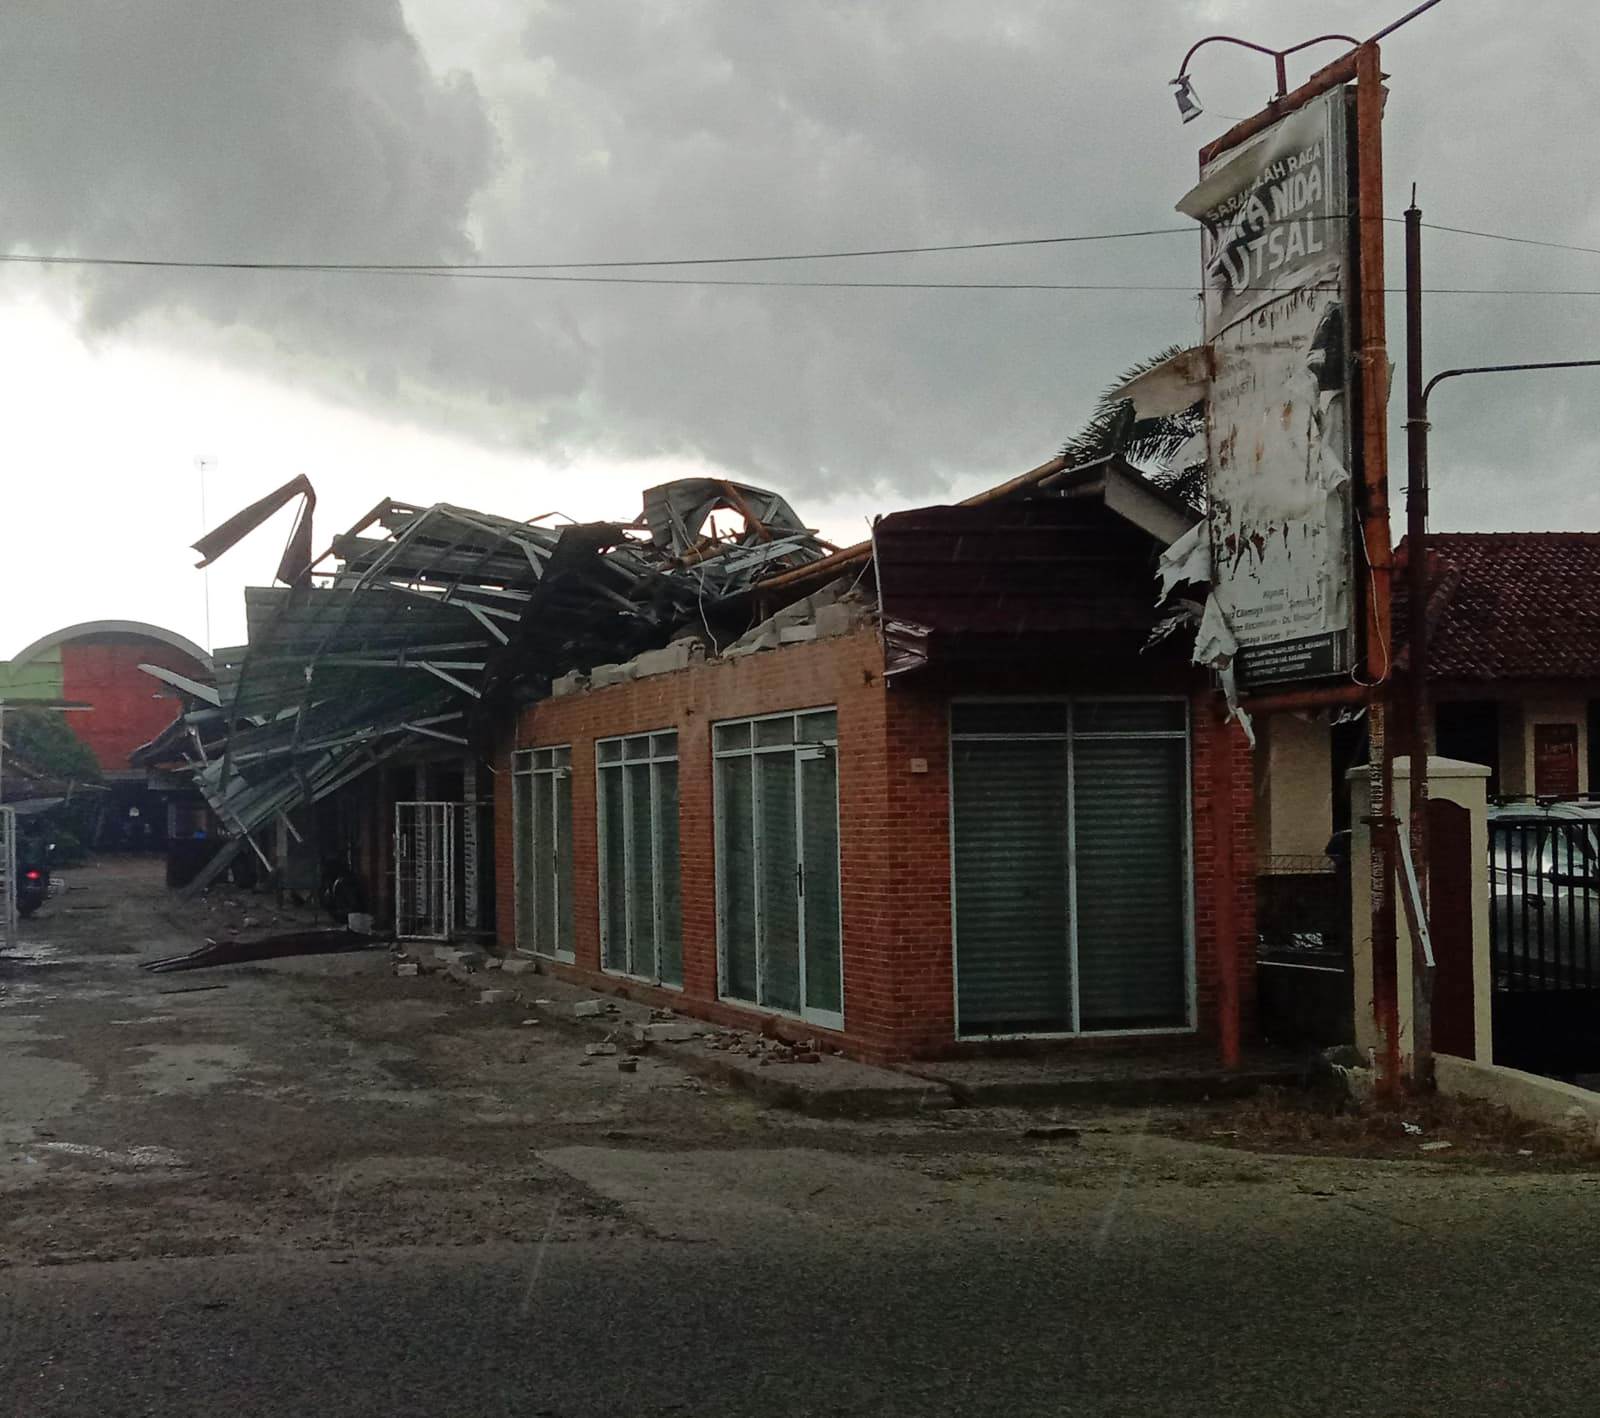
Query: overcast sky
(503, 131)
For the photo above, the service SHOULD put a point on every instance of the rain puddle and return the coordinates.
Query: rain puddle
(142, 1156)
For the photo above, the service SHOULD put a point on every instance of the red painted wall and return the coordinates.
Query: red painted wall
(894, 835)
(130, 707)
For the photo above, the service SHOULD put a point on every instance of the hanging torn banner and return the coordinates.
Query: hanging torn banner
(1273, 215)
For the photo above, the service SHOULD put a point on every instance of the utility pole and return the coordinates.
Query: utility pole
(1417, 621)
(1372, 366)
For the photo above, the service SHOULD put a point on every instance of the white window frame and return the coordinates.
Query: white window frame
(1070, 735)
(546, 766)
(619, 765)
(810, 748)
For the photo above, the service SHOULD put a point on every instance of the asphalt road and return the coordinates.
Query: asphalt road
(1118, 1316)
(313, 1188)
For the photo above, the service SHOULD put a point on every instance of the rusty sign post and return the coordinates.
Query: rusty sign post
(1291, 205)
(1373, 372)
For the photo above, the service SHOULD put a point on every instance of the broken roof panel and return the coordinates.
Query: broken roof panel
(416, 613)
(970, 583)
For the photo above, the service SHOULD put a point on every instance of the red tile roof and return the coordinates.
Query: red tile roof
(1510, 605)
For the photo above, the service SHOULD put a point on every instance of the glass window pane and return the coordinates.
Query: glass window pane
(613, 873)
(521, 761)
(771, 733)
(780, 895)
(1129, 716)
(563, 756)
(522, 858)
(637, 747)
(544, 867)
(1009, 717)
(737, 878)
(608, 750)
(641, 875)
(729, 737)
(664, 745)
(566, 931)
(820, 810)
(671, 943)
(821, 726)
(541, 758)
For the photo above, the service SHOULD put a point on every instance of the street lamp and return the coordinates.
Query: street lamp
(1417, 428)
(1189, 104)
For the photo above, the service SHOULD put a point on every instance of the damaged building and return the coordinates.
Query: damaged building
(923, 794)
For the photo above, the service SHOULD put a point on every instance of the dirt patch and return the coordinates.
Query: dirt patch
(1294, 1121)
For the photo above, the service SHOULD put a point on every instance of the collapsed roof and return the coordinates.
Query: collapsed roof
(418, 618)
(419, 624)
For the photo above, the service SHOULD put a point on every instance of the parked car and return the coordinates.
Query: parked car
(1544, 872)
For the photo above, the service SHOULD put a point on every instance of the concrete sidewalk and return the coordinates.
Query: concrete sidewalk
(1183, 1073)
(812, 1080)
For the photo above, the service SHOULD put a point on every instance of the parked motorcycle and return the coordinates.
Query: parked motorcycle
(33, 886)
(35, 854)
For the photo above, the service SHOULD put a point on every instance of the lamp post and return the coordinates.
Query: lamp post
(1417, 429)
(1188, 101)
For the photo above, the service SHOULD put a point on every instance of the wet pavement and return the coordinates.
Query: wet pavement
(306, 1185)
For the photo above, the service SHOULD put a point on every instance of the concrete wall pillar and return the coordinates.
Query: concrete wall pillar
(1449, 780)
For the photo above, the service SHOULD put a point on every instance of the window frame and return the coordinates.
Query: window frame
(544, 767)
(619, 764)
(800, 750)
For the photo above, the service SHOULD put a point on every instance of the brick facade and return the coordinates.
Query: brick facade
(130, 708)
(893, 762)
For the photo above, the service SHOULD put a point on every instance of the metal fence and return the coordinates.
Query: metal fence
(426, 870)
(1544, 909)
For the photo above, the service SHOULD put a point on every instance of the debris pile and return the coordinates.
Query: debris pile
(418, 620)
(767, 1050)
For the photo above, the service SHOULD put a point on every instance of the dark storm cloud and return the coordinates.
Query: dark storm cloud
(611, 129)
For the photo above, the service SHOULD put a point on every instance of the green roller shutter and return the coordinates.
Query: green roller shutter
(1070, 866)
(1131, 834)
(1011, 887)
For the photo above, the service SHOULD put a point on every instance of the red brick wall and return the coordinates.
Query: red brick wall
(894, 832)
(1227, 804)
(130, 707)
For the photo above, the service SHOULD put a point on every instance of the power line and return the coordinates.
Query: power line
(1500, 236)
(447, 266)
(536, 277)
(1011, 243)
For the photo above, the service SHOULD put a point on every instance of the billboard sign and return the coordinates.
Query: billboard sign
(1276, 266)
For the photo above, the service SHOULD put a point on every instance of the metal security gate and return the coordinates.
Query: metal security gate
(1544, 936)
(8, 875)
(426, 836)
